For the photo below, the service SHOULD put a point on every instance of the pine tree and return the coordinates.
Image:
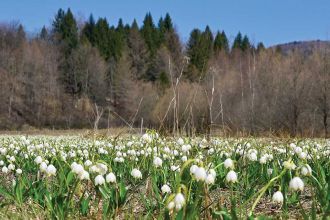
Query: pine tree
(88, 30)
(225, 41)
(120, 25)
(168, 25)
(237, 41)
(116, 43)
(169, 38)
(58, 21)
(206, 44)
(245, 46)
(66, 35)
(161, 31)
(101, 37)
(193, 44)
(137, 51)
(21, 36)
(135, 25)
(200, 47)
(260, 47)
(150, 34)
(218, 43)
(69, 32)
(221, 42)
(43, 33)
(66, 30)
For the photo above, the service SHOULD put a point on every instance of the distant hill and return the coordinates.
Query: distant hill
(303, 46)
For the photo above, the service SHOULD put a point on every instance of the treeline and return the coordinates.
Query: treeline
(80, 74)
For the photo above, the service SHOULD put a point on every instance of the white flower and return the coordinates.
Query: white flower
(253, 156)
(211, 151)
(278, 197)
(2, 163)
(158, 162)
(171, 205)
(84, 175)
(175, 168)
(180, 141)
(306, 170)
(77, 168)
(136, 174)
(73, 165)
(200, 174)
(99, 180)
(297, 150)
(185, 148)
(289, 165)
(51, 170)
(212, 172)
(292, 145)
(296, 184)
(179, 201)
(43, 167)
(146, 138)
(229, 164)
(263, 160)
(4, 169)
(110, 178)
(102, 168)
(19, 171)
(11, 166)
(193, 169)
(38, 160)
(210, 179)
(88, 163)
(302, 155)
(231, 176)
(166, 189)
(93, 169)
(184, 158)
(269, 171)
(12, 159)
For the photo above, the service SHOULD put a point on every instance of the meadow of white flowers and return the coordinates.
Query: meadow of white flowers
(164, 177)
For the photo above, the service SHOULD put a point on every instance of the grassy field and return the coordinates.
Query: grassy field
(115, 174)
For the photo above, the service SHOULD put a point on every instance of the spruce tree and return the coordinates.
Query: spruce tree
(120, 25)
(168, 25)
(225, 42)
(101, 37)
(134, 25)
(88, 30)
(245, 46)
(260, 47)
(69, 30)
(161, 31)
(150, 35)
(138, 51)
(43, 33)
(58, 21)
(206, 45)
(237, 41)
(66, 34)
(194, 53)
(218, 43)
(200, 47)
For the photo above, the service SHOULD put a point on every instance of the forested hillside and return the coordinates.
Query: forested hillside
(99, 73)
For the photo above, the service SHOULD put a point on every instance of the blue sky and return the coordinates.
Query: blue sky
(269, 21)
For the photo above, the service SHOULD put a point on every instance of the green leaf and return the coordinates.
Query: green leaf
(105, 193)
(84, 205)
(122, 193)
(69, 178)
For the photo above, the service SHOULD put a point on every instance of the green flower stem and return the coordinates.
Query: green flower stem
(264, 189)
